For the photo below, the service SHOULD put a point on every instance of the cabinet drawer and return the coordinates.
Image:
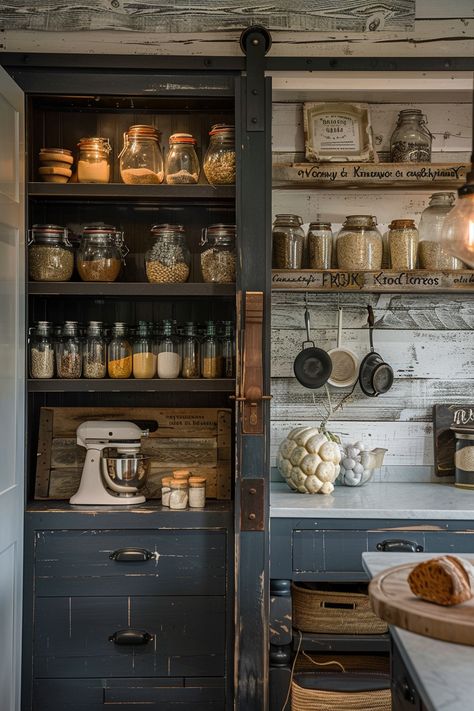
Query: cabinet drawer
(71, 637)
(129, 694)
(175, 563)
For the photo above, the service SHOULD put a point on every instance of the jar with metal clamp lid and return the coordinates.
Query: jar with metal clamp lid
(359, 244)
(50, 254)
(411, 140)
(141, 159)
(218, 255)
(219, 161)
(93, 165)
(101, 253)
(182, 163)
(169, 259)
(41, 351)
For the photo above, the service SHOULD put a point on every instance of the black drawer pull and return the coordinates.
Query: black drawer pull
(131, 555)
(130, 637)
(398, 545)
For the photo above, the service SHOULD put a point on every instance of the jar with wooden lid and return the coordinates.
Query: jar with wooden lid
(165, 490)
(197, 492)
(411, 139)
(93, 164)
(319, 245)
(218, 255)
(178, 494)
(359, 244)
(141, 159)
(41, 349)
(464, 459)
(69, 352)
(182, 163)
(403, 244)
(100, 254)
(50, 254)
(431, 254)
(288, 242)
(169, 259)
(119, 362)
(219, 161)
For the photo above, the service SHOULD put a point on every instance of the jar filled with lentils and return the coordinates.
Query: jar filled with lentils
(288, 242)
(69, 352)
(41, 351)
(218, 255)
(219, 161)
(403, 244)
(319, 245)
(168, 261)
(50, 254)
(359, 244)
(100, 253)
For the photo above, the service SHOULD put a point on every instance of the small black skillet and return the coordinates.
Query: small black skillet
(375, 376)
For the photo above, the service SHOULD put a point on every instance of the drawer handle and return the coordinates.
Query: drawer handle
(130, 637)
(398, 545)
(131, 555)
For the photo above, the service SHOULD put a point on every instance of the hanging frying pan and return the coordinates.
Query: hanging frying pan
(345, 363)
(312, 366)
(375, 376)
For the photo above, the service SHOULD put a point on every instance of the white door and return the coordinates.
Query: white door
(12, 377)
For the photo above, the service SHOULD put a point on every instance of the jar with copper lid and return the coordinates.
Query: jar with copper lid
(403, 244)
(182, 163)
(178, 494)
(218, 255)
(319, 245)
(219, 161)
(50, 254)
(141, 160)
(197, 492)
(100, 253)
(93, 165)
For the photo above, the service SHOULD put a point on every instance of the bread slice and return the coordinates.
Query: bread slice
(444, 581)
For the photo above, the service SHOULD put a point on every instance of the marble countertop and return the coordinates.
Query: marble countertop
(441, 671)
(376, 500)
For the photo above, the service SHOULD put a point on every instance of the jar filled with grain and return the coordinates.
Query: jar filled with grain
(182, 163)
(141, 159)
(119, 361)
(191, 361)
(359, 244)
(41, 349)
(94, 360)
(288, 242)
(218, 255)
(69, 352)
(144, 359)
(403, 244)
(219, 161)
(411, 140)
(211, 359)
(197, 492)
(431, 254)
(50, 254)
(319, 245)
(169, 360)
(227, 350)
(100, 254)
(178, 494)
(168, 261)
(93, 164)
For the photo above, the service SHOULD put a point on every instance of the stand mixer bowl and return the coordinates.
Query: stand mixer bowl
(124, 474)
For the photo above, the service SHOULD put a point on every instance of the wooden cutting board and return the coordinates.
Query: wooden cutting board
(393, 601)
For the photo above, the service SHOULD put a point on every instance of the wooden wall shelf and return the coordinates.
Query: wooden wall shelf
(120, 191)
(130, 385)
(123, 289)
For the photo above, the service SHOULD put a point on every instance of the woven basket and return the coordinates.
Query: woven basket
(339, 609)
(314, 699)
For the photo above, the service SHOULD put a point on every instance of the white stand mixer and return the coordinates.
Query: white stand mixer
(111, 478)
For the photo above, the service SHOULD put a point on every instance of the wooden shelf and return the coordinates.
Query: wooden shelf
(342, 642)
(383, 280)
(118, 289)
(369, 176)
(120, 191)
(130, 385)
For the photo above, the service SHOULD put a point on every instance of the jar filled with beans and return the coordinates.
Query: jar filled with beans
(168, 261)
(359, 244)
(288, 242)
(50, 254)
(219, 161)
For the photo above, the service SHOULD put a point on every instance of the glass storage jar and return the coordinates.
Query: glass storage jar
(141, 160)
(197, 492)
(191, 361)
(50, 254)
(69, 352)
(211, 360)
(218, 255)
(144, 360)
(178, 494)
(219, 161)
(93, 164)
(168, 361)
(359, 244)
(100, 253)
(403, 244)
(119, 362)
(168, 261)
(431, 254)
(227, 350)
(288, 242)
(464, 459)
(41, 351)
(319, 245)
(182, 164)
(94, 357)
(165, 491)
(411, 140)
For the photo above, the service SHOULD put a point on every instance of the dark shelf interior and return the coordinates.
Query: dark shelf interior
(132, 385)
(140, 193)
(123, 289)
(312, 642)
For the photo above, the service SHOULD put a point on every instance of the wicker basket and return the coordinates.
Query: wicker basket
(338, 609)
(326, 699)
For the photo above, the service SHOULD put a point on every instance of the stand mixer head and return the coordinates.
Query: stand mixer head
(115, 469)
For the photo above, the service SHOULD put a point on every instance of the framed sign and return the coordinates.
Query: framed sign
(445, 418)
(337, 132)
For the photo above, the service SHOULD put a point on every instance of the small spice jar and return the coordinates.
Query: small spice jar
(319, 245)
(181, 474)
(69, 352)
(94, 359)
(178, 494)
(227, 350)
(41, 351)
(464, 459)
(182, 163)
(191, 362)
(119, 363)
(359, 244)
(219, 161)
(197, 492)
(431, 254)
(141, 160)
(165, 490)
(50, 254)
(218, 255)
(100, 253)
(411, 140)
(168, 360)
(168, 261)
(211, 360)
(403, 244)
(144, 359)
(93, 164)
(288, 242)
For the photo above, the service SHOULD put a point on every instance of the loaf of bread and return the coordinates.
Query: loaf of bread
(444, 581)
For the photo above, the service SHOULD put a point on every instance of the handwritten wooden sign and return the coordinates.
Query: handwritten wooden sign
(372, 281)
(370, 174)
(445, 417)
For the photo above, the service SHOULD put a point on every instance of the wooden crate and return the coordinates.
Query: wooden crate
(195, 438)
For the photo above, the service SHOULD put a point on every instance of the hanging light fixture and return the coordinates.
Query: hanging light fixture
(458, 229)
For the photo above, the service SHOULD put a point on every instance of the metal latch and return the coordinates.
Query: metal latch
(252, 507)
